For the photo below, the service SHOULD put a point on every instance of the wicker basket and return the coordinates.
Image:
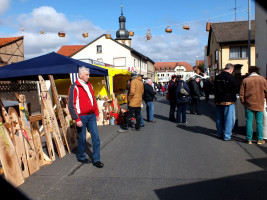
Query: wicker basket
(85, 35)
(131, 33)
(41, 32)
(108, 36)
(61, 34)
(168, 29)
(186, 27)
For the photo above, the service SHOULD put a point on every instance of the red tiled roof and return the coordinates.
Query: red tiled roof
(68, 50)
(6, 41)
(172, 65)
(198, 62)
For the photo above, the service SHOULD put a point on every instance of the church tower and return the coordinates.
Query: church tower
(122, 35)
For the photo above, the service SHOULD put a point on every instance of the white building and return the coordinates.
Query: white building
(164, 70)
(117, 52)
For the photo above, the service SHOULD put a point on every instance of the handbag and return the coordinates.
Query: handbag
(183, 91)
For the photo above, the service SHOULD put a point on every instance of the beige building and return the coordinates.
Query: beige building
(228, 43)
(164, 70)
(261, 37)
(11, 50)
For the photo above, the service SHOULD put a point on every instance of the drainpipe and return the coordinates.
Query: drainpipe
(221, 55)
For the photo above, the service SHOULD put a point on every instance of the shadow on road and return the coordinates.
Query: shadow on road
(245, 186)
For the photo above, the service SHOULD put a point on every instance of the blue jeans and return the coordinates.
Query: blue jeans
(225, 120)
(89, 122)
(150, 111)
(249, 121)
(142, 122)
(181, 109)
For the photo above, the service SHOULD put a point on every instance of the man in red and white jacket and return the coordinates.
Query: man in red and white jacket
(83, 109)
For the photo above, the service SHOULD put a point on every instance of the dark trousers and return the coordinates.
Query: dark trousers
(194, 106)
(181, 110)
(131, 112)
(172, 111)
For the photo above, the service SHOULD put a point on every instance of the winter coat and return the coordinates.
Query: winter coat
(149, 93)
(226, 87)
(171, 92)
(194, 89)
(79, 102)
(136, 92)
(180, 99)
(253, 92)
(208, 86)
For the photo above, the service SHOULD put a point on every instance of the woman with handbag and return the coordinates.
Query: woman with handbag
(182, 99)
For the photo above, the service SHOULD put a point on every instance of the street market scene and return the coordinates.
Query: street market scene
(94, 106)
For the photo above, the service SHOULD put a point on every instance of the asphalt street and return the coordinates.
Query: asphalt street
(160, 162)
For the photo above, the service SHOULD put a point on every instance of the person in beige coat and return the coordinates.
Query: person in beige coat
(135, 101)
(252, 95)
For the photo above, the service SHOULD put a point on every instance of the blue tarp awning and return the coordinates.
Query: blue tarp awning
(49, 64)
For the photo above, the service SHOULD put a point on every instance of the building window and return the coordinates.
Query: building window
(238, 52)
(216, 55)
(99, 48)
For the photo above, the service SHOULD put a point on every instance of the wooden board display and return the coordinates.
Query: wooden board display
(32, 156)
(9, 159)
(59, 111)
(51, 118)
(71, 126)
(19, 141)
(47, 132)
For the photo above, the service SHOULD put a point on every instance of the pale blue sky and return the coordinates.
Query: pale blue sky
(98, 17)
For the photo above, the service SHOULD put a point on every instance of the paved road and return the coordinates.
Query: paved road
(160, 162)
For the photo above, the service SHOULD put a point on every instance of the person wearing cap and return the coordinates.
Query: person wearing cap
(226, 87)
(134, 106)
(252, 94)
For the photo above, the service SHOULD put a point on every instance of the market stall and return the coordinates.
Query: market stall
(25, 146)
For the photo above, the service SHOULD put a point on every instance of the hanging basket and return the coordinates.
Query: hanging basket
(41, 32)
(108, 36)
(186, 27)
(131, 33)
(168, 29)
(208, 24)
(85, 35)
(22, 29)
(61, 34)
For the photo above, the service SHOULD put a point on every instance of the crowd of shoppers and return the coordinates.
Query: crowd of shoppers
(253, 93)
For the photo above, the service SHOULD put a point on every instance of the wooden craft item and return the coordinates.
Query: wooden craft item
(71, 126)
(32, 155)
(38, 143)
(9, 159)
(101, 109)
(47, 133)
(59, 111)
(7, 120)
(51, 118)
(19, 141)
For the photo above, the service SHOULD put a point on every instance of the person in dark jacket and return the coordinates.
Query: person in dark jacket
(208, 88)
(226, 87)
(149, 96)
(181, 100)
(195, 95)
(172, 97)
